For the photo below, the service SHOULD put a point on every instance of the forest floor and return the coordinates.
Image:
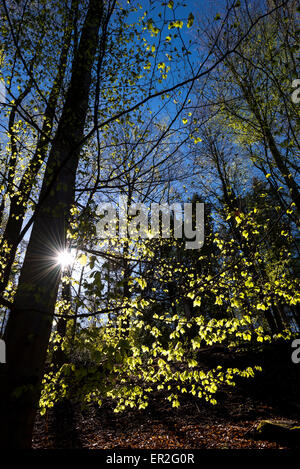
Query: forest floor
(228, 425)
(275, 395)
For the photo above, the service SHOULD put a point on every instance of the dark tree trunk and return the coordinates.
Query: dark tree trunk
(30, 321)
(18, 202)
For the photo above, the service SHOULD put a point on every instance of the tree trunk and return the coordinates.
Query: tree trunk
(18, 202)
(30, 321)
(231, 201)
(277, 157)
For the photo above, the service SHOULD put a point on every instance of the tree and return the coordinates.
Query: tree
(29, 324)
(75, 94)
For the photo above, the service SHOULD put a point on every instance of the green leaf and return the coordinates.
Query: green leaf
(190, 20)
(175, 24)
(83, 259)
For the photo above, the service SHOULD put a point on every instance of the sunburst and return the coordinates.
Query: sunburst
(64, 258)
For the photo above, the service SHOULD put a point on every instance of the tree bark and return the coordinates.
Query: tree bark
(30, 321)
(18, 202)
